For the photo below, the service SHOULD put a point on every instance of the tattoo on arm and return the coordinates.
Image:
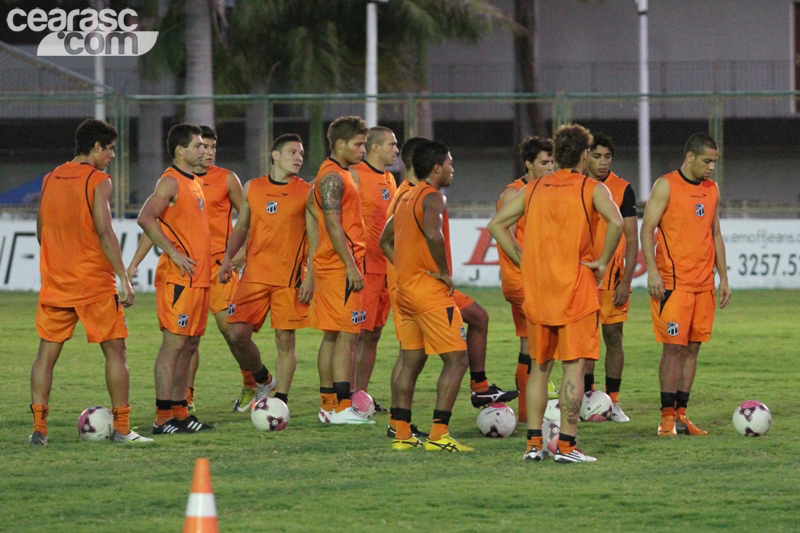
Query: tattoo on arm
(331, 189)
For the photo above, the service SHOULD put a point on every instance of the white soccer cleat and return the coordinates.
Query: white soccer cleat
(130, 438)
(618, 415)
(535, 455)
(575, 456)
(262, 391)
(324, 416)
(349, 416)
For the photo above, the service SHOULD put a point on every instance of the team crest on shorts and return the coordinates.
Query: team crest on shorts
(231, 309)
(463, 333)
(272, 207)
(385, 194)
(183, 320)
(672, 329)
(358, 317)
(700, 209)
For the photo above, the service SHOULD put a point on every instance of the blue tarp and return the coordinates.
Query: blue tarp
(25, 194)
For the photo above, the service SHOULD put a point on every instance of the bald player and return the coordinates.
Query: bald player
(684, 210)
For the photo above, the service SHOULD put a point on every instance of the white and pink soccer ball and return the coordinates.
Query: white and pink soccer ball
(363, 402)
(596, 406)
(550, 432)
(553, 411)
(752, 419)
(96, 424)
(270, 414)
(497, 420)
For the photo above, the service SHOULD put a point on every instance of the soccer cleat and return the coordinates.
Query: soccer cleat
(535, 454)
(191, 406)
(618, 415)
(324, 416)
(666, 428)
(575, 456)
(349, 416)
(407, 444)
(380, 409)
(194, 425)
(493, 394)
(245, 399)
(684, 426)
(415, 431)
(37, 439)
(552, 391)
(171, 427)
(446, 444)
(263, 390)
(130, 438)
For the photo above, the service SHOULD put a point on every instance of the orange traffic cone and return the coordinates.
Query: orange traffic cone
(201, 511)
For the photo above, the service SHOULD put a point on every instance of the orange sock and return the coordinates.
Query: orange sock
(40, 413)
(122, 419)
(341, 405)
(327, 401)
(669, 411)
(403, 430)
(680, 411)
(190, 395)
(392, 423)
(614, 396)
(162, 416)
(248, 380)
(521, 379)
(564, 447)
(181, 412)
(479, 386)
(437, 431)
(537, 442)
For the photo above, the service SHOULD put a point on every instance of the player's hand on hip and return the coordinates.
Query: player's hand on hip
(446, 279)
(126, 293)
(655, 286)
(724, 294)
(621, 293)
(355, 280)
(598, 268)
(184, 263)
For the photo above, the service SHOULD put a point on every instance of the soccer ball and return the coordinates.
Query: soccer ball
(95, 424)
(596, 406)
(497, 420)
(270, 414)
(752, 419)
(553, 411)
(550, 433)
(363, 403)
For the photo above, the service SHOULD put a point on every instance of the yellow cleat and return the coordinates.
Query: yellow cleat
(446, 444)
(407, 444)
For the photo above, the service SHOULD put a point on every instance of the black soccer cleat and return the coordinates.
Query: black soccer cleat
(493, 394)
(171, 427)
(194, 425)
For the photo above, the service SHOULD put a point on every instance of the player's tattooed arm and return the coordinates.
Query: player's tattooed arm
(331, 189)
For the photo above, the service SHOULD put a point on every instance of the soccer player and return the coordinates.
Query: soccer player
(537, 156)
(680, 274)
(174, 219)
(273, 223)
(338, 265)
(377, 188)
(615, 288)
(416, 241)
(560, 281)
(223, 192)
(79, 259)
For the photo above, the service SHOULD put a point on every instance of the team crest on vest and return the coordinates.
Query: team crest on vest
(272, 207)
(183, 320)
(202, 204)
(231, 309)
(672, 329)
(385, 193)
(700, 209)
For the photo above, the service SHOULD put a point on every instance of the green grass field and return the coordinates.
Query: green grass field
(312, 477)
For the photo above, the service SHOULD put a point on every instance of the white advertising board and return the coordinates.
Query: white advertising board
(761, 254)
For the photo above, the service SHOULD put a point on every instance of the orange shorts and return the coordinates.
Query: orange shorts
(610, 313)
(683, 317)
(462, 300)
(516, 299)
(182, 310)
(577, 340)
(333, 307)
(103, 320)
(375, 299)
(221, 293)
(253, 301)
(436, 331)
